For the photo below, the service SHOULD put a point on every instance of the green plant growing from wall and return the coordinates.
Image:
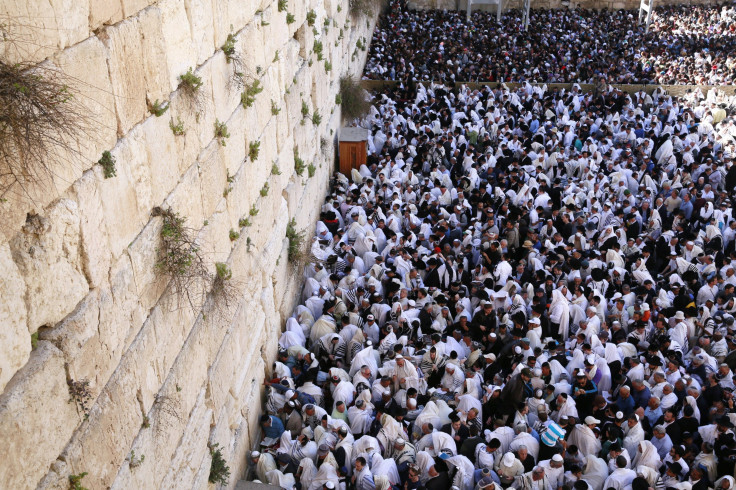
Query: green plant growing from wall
(158, 109)
(275, 109)
(219, 470)
(178, 128)
(283, 5)
(254, 148)
(221, 132)
(316, 118)
(276, 56)
(311, 170)
(328, 66)
(296, 241)
(180, 259)
(107, 162)
(248, 97)
(311, 17)
(244, 222)
(34, 340)
(275, 170)
(190, 85)
(318, 47)
(189, 82)
(305, 110)
(134, 461)
(338, 99)
(290, 19)
(253, 210)
(229, 47)
(264, 190)
(75, 481)
(299, 165)
(234, 235)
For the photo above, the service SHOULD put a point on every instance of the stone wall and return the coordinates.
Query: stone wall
(587, 4)
(78, 254)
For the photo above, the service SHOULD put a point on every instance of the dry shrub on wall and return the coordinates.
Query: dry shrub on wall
(42, 119)
(353, 99)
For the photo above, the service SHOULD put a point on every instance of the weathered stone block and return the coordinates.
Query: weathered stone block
(155, 65)
(180, 54)
(104, 12)
(15, 341)
(47, 253)
(36, 418)
(202, 29)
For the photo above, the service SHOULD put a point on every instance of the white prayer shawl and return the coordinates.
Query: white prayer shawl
(595, 472)
(325, 325)
(430, 415)
(560, 312)
(279, 479)
(265, 464)
(327, 472)
(584, 438)
(528, 440)
(646, 455)
(343, 392)
(424, 461)
(619, 479)
(605, 382)
(649, 473)
(464, 477)
(696, 411)
(505, 435)
(366, 445)
(709, 462)
(388, 434)
(634, 436)
(308, 472)
(364, 358)
(386, 467)
(360, 420)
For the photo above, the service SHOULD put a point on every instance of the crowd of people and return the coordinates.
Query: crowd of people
(685, 45)
(529, 289)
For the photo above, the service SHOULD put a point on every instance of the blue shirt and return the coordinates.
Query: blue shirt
(276, 428)
(641, 398)
(663, 445)
(688, 208)
(626, 405)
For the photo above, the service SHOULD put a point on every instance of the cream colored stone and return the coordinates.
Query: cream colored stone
(126, 73)
(36, 418)
(131, 7)
(180, 54)
(42, 27)
(95, 245)
(48, 256)
(186, 198)
(199, 13)
(86, 66)
(162, 150)
(128, 194)
(104, 12)
(212, 177)
(155, 65)
(15, 342)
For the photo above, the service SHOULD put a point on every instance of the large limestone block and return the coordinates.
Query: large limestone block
(104, 12)
(43, 27)
(47, 253)
(212, 176)
(155, 65)
(95, 245)
(249, 41)
(36, 418)
(202, 29)
(193, 448)
(225, 95)
(231, 15)
(186, 198)
(15, 342)
(234, 154)
(123, 42)
(144, 253)
(131, 7)
(180, 54)
(128, 198)
(86, 65)
(162, 150)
